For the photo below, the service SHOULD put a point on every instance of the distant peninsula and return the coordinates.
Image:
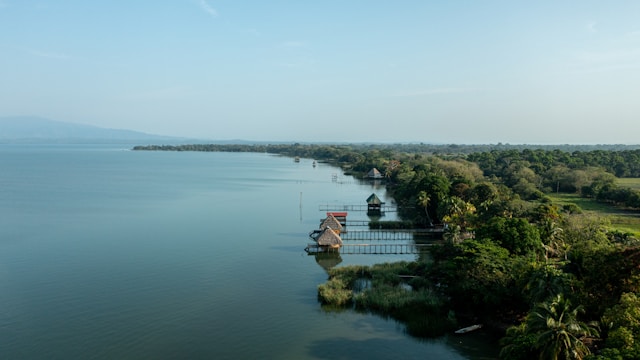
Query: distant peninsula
(32, 129)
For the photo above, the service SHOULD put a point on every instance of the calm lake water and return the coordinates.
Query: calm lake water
(107, 253)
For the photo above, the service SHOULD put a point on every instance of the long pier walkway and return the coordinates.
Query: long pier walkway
(353, 223)
(395, 235)
(385, 235)
(376, 249)
(359, 207)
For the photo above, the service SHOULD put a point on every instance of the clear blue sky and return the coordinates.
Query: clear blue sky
(357, 70)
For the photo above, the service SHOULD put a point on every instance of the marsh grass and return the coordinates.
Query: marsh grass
(411, 301)
(387, 298)
(335, 292)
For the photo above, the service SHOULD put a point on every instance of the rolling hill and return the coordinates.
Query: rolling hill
(30, 129)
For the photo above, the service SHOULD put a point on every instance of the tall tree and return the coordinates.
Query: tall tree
(423, 200)
(558, 330)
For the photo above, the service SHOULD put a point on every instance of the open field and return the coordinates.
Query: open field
(621, 219)
(633, 183)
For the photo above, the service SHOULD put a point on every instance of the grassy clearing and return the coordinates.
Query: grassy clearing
(633, 183)
(584, 203)
(621, 219)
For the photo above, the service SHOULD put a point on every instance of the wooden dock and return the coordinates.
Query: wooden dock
(386, 235)
(393, 235)
(353, 223)
(359, 207)
(369, 249)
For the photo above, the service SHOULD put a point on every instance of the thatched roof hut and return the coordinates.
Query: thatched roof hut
(332, 223)
(340, 215)
(374, 174)
(328, 237)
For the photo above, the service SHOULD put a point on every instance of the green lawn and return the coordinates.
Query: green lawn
(633, 183)
(621, 219)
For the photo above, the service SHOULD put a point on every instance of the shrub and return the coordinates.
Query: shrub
(572, 208)
(621, 338)
(334, 292)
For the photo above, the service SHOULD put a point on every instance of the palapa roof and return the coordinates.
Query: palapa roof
(374, 200)
(331, 222)
(329, 238)
(374, 173)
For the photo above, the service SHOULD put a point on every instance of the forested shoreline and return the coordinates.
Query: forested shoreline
(557, 281)
(619, 160)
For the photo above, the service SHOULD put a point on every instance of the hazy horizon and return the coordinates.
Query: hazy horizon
(455, 72)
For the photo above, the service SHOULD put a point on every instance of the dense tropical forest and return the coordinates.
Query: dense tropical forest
(520, 254)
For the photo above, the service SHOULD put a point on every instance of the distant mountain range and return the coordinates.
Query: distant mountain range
(30, 129)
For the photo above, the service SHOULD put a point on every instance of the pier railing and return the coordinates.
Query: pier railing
(353, 223)
(371, 249)
(385, 235)
(359, 207)
(395, 235)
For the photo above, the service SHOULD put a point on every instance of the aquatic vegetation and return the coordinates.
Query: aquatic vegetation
(389, 292)
(335, 292)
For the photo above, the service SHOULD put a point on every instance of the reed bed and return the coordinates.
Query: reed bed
(410, 300)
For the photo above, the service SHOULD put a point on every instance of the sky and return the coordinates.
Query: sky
(466, 72)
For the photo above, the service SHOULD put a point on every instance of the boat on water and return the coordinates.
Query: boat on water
(314, 163)
(468, 329)
(296, 159)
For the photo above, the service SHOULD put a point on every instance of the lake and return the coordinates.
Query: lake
(107, 253)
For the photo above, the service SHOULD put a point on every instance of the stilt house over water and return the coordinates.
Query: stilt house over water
(374, 174)
(329, 238)
(331, 222)
(340, 215)
(374, 204)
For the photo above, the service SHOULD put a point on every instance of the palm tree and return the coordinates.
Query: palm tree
(453, 234)
(559, 333)
(545, 282)
(553, 244)
(391, 167)
(423, 200)
(457, 211)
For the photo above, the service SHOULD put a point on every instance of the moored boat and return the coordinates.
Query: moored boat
(468, 329)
